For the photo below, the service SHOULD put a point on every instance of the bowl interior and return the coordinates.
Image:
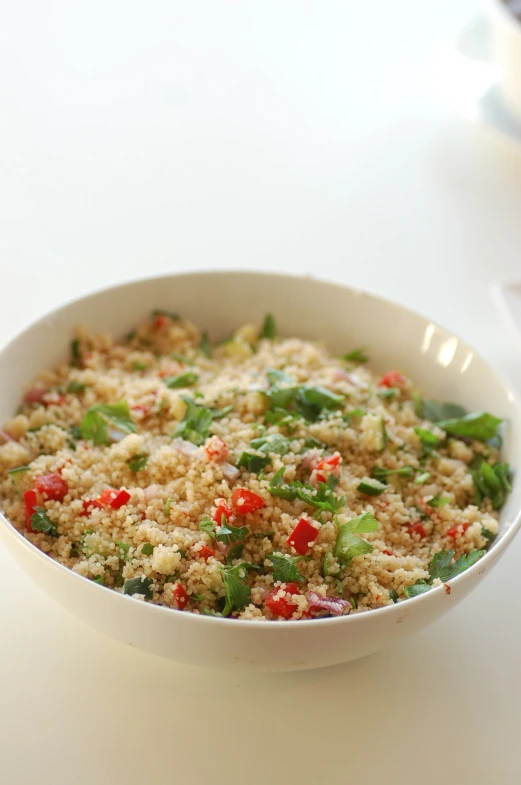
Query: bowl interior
(441, 364)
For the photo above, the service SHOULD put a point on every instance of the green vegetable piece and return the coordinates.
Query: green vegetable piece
(99, 579)
(348, 545)
(76, 387)
(181, 358)
(358, 356)
(183, 380)
(381, 474)
(393, 595)
(137, 366)
(269, 328)
(225, 533)
(205, 346)
(275, 443)
(75, 352)
(139, 585)
(420, 587)
(422, 478)
(284, 568)
(436, 411)
(96, 422)
(195, 425)
(123, 549)
(137, 462)
(477, 425)
(40, 522)
(235, 553)
(442, 568)
(253, 463)
(236, 592)
(487, 534)
(438, 501)
(147, 549)
(19, 470)
(311, 442)
(278, 377)
(168, 505)
(427, 438)
(372, 487)
(388, 393)
(310, 401)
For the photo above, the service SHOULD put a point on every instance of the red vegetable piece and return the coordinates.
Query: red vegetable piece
(205, 552)
(417, 528)
(30, 501)
(160, 321)
(392, 379)
(221, 508)
(216, 449)
(35, 395)
(51, 486)
(244, 501)
(180, 596)
(388, 553)
(334, 605)
(303, 533)
(331, 462)
(458, 530)
(280, 606)
(121, 498)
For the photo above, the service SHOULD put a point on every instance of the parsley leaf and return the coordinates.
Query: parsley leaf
(195, 425)
(348, 545)
(438, 501)
(182, 380)
(436, 411)
(322, 498)
(147, 549)
(427, 438)
(381, 474)
(444, 569)
(181, 358)
(96, 422)
(75, 352)
(76, 387)
(275, 443)
(137, 462)
(136, 366)
(236, 592)
(490, 481)
(284, 568)
(422, 478)
(356, 356)
(420, 587)
(205, 346)
(40, 522)
(269, 328)
(225, 532)
(278, 377)
(139, 585)
(477, 425)
(253, 463)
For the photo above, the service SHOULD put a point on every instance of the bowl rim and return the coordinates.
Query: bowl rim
(283, 625)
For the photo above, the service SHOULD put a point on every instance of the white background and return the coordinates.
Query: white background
(146, 137)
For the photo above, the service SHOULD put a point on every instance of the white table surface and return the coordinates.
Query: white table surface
(140, 138)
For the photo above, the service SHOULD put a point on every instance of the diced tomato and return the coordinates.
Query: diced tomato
(280, 606)
(392, 379)
(458, 530)
(121, 498)
(35, 395)
(106, 498)
(331, 462)
(388, 553)
(216, 449)
(303, 533)
(30, 501)
(221, 508)
(180, 596)
(89, 505)
(140, 407)
(317, 477)
(417, 528)
(51, 486)
(205, 552)
(53, 400)
(244, 501)
(160, 321)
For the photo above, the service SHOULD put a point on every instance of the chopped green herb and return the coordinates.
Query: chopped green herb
(275, 443)
(322, 499)
(384, 436)
(168, 506)
(235, 553)
(487, 534)
(137, 462)
(123, 549)
(236, 592)
(75, 352)
(75, 432)
(195, 425)
(40, 522)
(427, 438)
(269, 328)
(225, 533)
(348, 545)
(443, 568)
(98, 579)
(205, 346)
(278, 377)
(490, 481)
(477, 425)
(183, 380)
(136, 366)
(372, 487)
(181, 358)
(95, 424)
(438, 501)
(253, 463)
(284, 568)
(76, 387)
(358, 356)
(420, 587)
(436, 411)
(387, 393)
(422, 478)
(393, 595)
(381, 474)
(19, 470)
(140, 585)
(147, 549)
(311, 442)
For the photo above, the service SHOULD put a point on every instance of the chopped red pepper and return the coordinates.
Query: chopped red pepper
(388, 553)
(180, 596)
(205, 552)
(221, 508)
(51, 486)
(35, 395)
(417, 528)
(121, 498)
(216, 449)
(30, 501)
(280, 606)
(392, 379)
(244, 501)
(160, 321)
(458, 530)
(331, 462)
(303, 533)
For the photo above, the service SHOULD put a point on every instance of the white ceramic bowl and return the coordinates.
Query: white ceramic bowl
(345, 318)
(506, 41)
